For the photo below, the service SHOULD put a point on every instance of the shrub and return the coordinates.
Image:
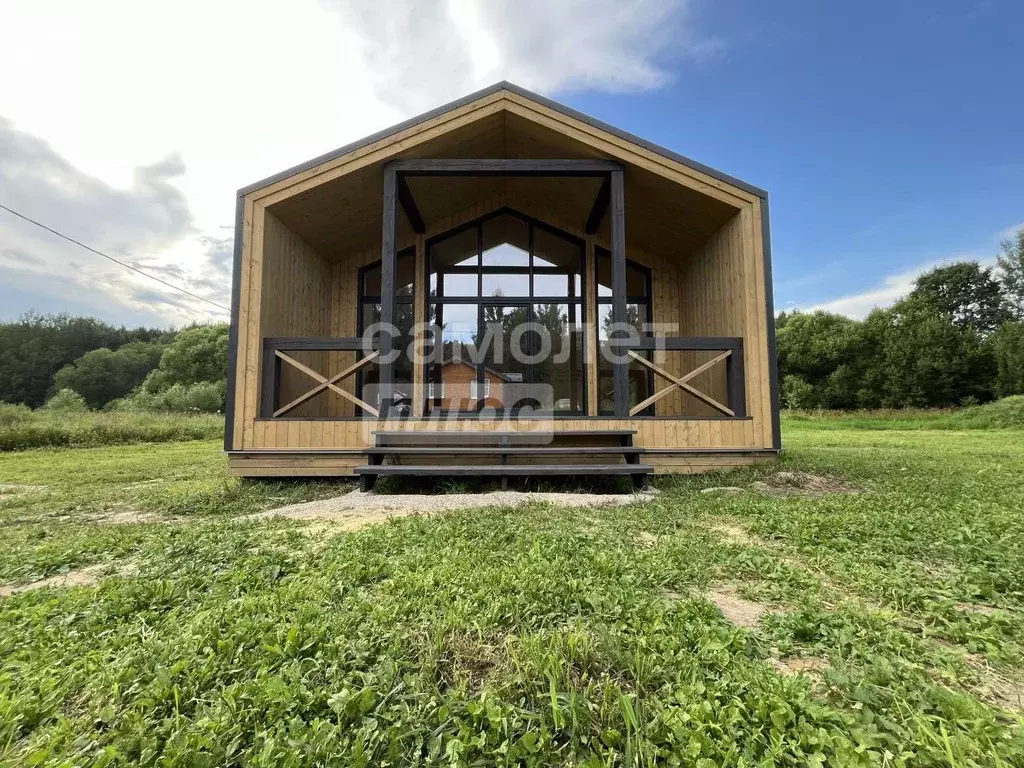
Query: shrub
(11, 414)
(67, 401)
(201, 397)
(1007, 413)
(797, 393)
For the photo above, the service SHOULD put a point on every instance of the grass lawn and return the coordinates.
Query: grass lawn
(884, 627)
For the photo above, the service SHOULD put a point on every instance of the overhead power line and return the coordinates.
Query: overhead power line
(111, 258)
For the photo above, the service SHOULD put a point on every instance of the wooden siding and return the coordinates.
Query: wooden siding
(723, 294)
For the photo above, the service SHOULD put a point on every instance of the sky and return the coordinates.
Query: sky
(888, 134)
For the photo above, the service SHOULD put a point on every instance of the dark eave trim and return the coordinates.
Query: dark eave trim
(236, 292)
(769, 300)
(489, 91)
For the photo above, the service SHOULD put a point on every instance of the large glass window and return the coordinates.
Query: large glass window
(506, 297)
(369, 314)
(638, 315)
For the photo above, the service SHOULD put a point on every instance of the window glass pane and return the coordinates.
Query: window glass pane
(451, 355)
(459, 249)
(507, 285)
(370, 316)
(505, 347)
(636, 280)
(559, 374)
(604, 273)
(551, 250)
(636, 318)
(406, 272)
(506, 242)
(404, 276)
(371, 280)
(639, 378)
(459, 285)
(636, 276)
(551, 285)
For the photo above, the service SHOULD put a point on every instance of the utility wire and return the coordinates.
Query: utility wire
(111, 258)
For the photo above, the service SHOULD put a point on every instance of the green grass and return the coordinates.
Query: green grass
(540, 636)
(1007, 413)
(22, 429)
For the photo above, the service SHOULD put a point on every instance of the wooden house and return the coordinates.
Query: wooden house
(613, 299)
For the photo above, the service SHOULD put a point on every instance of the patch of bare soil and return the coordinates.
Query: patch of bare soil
(723, 490)
(980, 610)
(799, 665)
(357, 510)
(82, 577)
(646, 540)
(1003, 692)
(788, 483)
(738, 610)
(128, 517)
(994, 687)
(736, 535)
(465, 659)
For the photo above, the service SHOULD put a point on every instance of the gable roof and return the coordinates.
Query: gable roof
(504, 85)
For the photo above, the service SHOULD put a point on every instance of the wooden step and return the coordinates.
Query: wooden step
(390, 437)
(455, 450)
(639, 472)
(508, 470)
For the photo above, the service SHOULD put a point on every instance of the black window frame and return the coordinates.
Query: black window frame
(575, 298)
(647, 300)
(364, 300)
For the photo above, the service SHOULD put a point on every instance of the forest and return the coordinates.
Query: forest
(956, 339)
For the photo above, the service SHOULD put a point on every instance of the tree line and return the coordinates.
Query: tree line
(957, 338)
(81, 362)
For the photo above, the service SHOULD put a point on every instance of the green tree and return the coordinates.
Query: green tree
(826, 354)
(102, 375)
(1008, 349)
(925, 360)
(965, 291)
(1011, 274)
(197, 354)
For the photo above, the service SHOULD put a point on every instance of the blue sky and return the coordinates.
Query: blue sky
(887, 134)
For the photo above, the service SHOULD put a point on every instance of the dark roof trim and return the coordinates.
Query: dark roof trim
(490, 90)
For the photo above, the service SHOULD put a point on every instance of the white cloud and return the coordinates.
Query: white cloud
(1010, 233)
(890, 290)
(134, 100)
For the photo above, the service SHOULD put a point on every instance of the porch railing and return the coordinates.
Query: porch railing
(276, 353)
(730, 349)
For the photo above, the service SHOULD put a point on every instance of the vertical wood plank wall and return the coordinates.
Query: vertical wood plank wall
(296, 301)
(723, 294)
(717, 291)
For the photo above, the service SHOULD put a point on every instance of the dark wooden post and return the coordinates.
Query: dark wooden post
(620, 363)
(271, 384)
(388, 259)
(736, 382)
